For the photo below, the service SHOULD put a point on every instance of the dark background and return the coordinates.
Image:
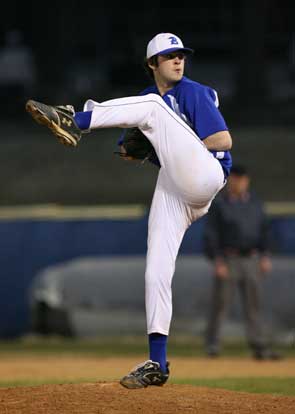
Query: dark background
(67, 52)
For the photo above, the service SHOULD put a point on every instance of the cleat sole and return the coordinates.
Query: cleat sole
(41, 118)
(132, 385)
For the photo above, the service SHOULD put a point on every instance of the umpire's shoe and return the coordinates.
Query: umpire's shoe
(60, 119)
(147, 373)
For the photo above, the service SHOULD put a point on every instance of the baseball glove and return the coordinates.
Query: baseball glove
(136, 146)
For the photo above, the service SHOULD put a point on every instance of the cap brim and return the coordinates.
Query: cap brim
(185, 50)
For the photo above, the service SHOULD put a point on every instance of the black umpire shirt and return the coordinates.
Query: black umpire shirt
(236, 226)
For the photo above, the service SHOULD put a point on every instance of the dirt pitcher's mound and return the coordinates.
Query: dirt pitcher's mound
(112, 398)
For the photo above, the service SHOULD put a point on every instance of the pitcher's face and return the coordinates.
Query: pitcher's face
(170, 67)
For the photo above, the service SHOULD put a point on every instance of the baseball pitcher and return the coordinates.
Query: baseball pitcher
(175, 124)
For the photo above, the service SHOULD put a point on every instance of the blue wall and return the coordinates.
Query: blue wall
(26, 246)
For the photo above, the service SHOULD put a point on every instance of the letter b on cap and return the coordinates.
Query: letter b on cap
(173, 40)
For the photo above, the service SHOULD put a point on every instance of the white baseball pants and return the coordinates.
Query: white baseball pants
(188, 180)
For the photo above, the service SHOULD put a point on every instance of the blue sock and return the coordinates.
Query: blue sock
(83, 119)
(158, 345)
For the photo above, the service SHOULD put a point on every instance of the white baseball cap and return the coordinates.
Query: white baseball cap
(164, 43)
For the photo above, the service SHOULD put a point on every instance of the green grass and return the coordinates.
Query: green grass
(267, 385)
(122, 345)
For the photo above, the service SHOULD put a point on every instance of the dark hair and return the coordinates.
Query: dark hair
(239, 169)
(152, 61)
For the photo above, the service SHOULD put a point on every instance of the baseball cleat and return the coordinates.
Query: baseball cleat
(59, 119)
(145, 374)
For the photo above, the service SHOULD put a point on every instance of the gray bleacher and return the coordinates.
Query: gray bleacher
(96, 296)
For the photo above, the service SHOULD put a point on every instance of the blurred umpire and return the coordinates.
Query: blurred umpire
(237, 241)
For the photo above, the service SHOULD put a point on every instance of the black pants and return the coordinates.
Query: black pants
(244, 274)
